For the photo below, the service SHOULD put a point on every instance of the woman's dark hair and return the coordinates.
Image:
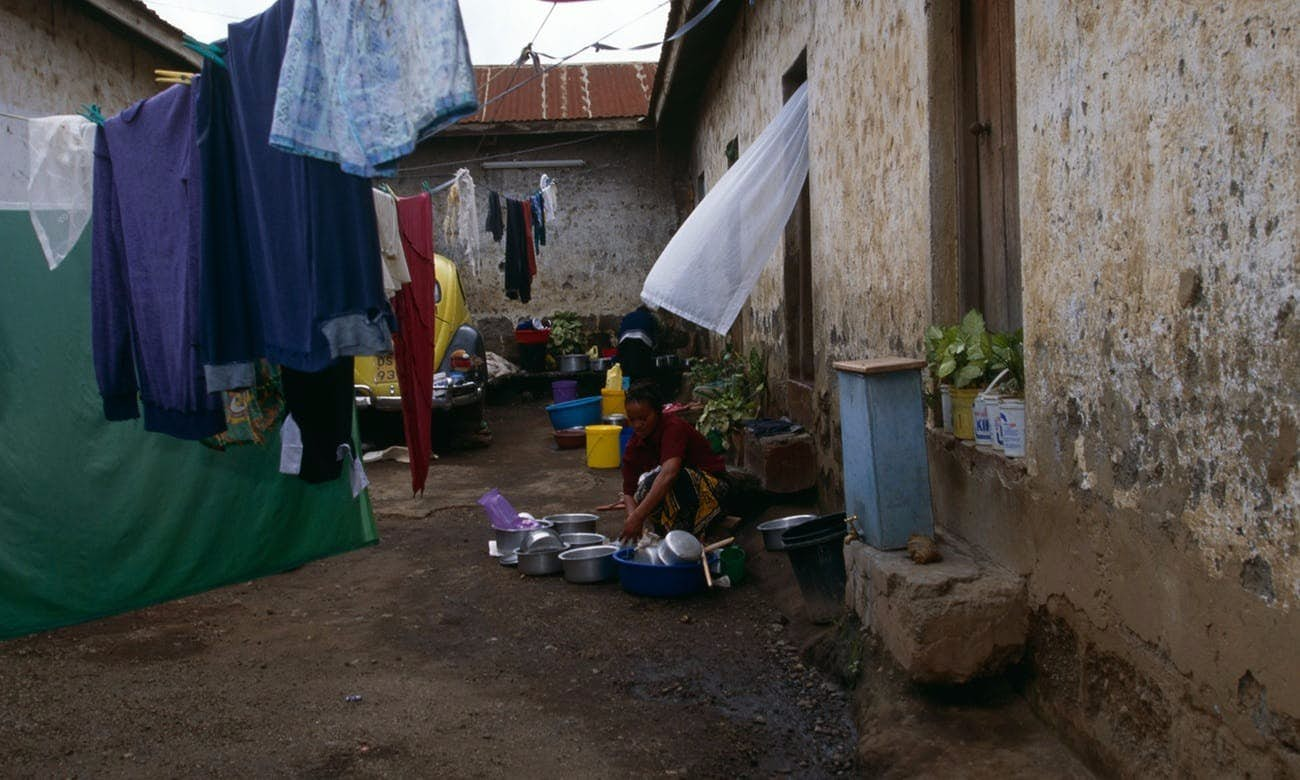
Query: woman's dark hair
(645, 392)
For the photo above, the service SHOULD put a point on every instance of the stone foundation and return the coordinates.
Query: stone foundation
(945, 622)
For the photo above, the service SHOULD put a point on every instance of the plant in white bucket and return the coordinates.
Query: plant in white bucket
(958, 359)
(1008, 416)
(938, 346)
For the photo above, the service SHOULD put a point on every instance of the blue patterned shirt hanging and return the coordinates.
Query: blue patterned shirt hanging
(364, 81)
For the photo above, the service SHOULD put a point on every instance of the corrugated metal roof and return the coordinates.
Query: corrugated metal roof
(568, 92)
(142, 19)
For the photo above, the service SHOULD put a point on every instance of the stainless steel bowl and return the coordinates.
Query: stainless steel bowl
(584, 539)
(648, 554)
(589, 564)
(614, 419)
(540, 564)
(573, 523)
(602, 364)
(509, 540)
(772, 530)
(680, 547)
(573, 364)
(540, 541)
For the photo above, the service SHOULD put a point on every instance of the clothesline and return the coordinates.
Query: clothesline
(599, 45)
(537, 191)
(432, 190)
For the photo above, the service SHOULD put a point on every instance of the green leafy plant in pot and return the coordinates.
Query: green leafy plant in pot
(1007, 353)
(1009, 423)
(567, 337)
(938, 339)
(961, 356)
(732, 389)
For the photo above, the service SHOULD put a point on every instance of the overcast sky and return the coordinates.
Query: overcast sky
(497, 29)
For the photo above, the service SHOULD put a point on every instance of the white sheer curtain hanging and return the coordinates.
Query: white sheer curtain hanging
(710, 266)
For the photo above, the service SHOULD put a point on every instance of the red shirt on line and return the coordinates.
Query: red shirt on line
(673, 437)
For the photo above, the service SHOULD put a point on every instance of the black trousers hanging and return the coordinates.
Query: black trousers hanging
(519, 281)
(321, 404)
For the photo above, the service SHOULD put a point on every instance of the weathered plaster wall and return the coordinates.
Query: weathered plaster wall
(1156, 515)
(1158, 175)
(615, 215)
(868, 180)
(56, 55)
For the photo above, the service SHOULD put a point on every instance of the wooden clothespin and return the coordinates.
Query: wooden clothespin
(210, 51)
(91, 111)
(172, 77)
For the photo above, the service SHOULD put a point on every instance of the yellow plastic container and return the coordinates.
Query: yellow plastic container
(612, 402)
(963, 412)
(602, 446)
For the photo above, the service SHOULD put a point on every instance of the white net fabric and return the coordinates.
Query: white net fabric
(61, 153)
(712, 263)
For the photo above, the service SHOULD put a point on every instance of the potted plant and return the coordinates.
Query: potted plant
(731, 390)
(1007, 353)
(962, 358)
(937, 342)
(568, 343)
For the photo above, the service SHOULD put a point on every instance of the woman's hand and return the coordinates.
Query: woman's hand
(611, 506)
(632, 528)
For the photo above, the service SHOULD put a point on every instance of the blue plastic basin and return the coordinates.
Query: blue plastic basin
(575, 414)
(646, 579)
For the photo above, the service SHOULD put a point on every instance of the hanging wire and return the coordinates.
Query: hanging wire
(179, 7)
(565, 59)
(527, 51)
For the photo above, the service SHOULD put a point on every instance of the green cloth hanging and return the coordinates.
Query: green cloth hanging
(98, 518)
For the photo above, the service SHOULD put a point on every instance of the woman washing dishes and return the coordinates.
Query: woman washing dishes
(672, 479)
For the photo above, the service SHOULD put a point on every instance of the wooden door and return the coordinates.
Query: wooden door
(991, 261)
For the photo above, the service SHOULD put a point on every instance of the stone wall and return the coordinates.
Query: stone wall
(616, 213)
(1155, 516)
(57, 54)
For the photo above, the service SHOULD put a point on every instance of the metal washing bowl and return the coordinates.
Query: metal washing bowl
(589, 564)
(773, 529)
(573, 523)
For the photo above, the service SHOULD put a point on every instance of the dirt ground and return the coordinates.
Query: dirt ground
(463, 667)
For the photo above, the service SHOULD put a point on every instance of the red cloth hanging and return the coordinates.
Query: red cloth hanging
(413, 343)
(529, 240)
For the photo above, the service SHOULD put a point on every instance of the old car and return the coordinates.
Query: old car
(460, 378)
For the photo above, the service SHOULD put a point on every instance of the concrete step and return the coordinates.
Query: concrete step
(947, 622)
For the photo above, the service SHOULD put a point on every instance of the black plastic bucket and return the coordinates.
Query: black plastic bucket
(819, 527)
(818, 563)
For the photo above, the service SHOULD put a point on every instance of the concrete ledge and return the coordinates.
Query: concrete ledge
(947, 622)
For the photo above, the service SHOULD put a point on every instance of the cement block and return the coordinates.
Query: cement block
(946, 622)
(785, 463)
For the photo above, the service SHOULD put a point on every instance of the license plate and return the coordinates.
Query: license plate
(385, 370)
